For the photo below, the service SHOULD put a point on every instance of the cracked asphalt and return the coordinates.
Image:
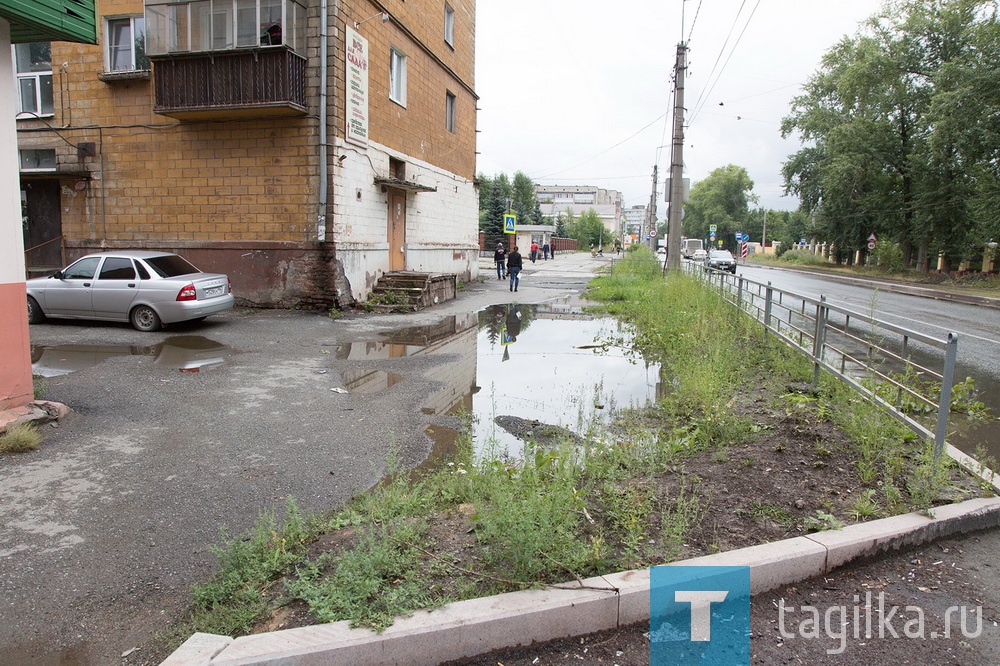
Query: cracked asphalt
(104, 528)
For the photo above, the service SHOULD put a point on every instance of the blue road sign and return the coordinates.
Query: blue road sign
(509, 223)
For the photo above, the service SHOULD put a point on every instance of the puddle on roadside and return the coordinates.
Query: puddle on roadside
(187, 353)
(553, 364)
(370, 382)
(534, 362)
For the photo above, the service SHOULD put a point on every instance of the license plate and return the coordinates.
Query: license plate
(213, 292)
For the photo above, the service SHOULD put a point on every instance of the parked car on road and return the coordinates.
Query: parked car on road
(720, 260)
(147, 289)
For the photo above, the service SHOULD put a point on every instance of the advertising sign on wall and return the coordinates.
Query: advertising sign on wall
(357, 88)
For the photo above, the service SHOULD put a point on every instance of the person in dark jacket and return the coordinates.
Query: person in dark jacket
(513, 268)
(498, 258)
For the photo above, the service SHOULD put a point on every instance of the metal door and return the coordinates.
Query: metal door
(397, 230)
(42, 223)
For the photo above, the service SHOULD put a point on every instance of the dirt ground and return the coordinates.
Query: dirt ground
(804, 468)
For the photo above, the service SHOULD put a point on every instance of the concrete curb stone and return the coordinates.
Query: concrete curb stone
(477, 626)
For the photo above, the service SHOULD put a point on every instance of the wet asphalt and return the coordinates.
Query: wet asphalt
(106, 526)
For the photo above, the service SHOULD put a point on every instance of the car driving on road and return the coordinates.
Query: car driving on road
(147, 289)
(721, 260)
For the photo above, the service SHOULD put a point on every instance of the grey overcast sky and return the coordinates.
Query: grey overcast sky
(578, 92)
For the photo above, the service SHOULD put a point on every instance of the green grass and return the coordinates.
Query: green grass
(566, 511)
(21, 438)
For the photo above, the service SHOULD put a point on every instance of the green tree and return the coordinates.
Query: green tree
(561, 225)
(493, 195)
(588, 228)
(893, 130)
(722, 199)
(525, 202)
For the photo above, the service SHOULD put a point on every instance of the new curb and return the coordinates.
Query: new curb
(473, 627)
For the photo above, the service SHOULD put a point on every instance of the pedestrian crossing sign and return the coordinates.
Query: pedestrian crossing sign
(509, 223)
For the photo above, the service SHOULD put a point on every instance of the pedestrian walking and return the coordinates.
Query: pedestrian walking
(593, 250)
(499, 256)
(514, 267)
(534, 251)
(545, 251)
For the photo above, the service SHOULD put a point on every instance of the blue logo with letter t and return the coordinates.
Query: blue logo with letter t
(699, 615)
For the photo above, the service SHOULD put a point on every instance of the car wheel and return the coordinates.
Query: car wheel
(144, 318)
(35, 314)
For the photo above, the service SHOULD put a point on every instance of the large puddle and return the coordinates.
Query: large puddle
(187, 353)
(546, 363)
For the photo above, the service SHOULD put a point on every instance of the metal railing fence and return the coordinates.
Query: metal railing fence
(908, 373)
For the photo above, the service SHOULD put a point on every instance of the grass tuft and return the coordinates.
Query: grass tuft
(21, 438)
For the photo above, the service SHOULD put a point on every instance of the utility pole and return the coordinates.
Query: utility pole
(677, 164)
(651, 214)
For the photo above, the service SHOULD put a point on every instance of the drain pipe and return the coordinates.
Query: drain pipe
(323, 175)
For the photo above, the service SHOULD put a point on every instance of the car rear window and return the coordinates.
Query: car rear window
(171, 265)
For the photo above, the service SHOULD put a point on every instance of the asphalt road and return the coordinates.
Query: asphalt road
(106, 526)
(978, 327)
(978, 330)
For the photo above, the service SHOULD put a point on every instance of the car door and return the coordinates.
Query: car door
(115, 289)
(69, 294)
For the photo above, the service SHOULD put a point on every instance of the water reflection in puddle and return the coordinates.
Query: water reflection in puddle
(369, 382)
(548, 364)
(187, 353)
(535, 362)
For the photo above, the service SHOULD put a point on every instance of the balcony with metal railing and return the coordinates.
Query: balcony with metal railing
(248, 83)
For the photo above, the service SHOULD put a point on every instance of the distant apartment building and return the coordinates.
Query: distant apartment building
(635, 221)
(576, 199)
(305, 148)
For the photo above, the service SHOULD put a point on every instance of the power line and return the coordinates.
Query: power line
(722, 50)
(696, 12)
(607, 150)
(719, 76)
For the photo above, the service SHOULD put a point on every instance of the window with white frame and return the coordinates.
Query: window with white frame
(33, 65)
(449, 111)
(449, 24)
(397, 76)
(126, 41)
(38, 159)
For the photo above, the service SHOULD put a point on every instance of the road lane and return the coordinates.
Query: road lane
(977, 327)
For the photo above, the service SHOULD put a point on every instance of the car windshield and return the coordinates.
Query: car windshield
(720, 254)
(171, 265)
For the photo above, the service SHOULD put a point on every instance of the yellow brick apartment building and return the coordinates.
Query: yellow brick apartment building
(304, 147)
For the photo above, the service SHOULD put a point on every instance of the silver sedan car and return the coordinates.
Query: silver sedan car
(147, 289)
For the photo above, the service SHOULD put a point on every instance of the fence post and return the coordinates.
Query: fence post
(767, 309)
(944, 405)
(739, 293)
(819, 339)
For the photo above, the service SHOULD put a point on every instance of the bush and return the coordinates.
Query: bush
(890, 257)
(804, 258)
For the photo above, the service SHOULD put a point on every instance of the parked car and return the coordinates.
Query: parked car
(147, 289)
(699, 256)
(720, 260)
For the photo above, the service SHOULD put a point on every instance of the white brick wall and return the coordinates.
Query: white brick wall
(442, 227)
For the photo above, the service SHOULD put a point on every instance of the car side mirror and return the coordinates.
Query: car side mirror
(57, 275)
